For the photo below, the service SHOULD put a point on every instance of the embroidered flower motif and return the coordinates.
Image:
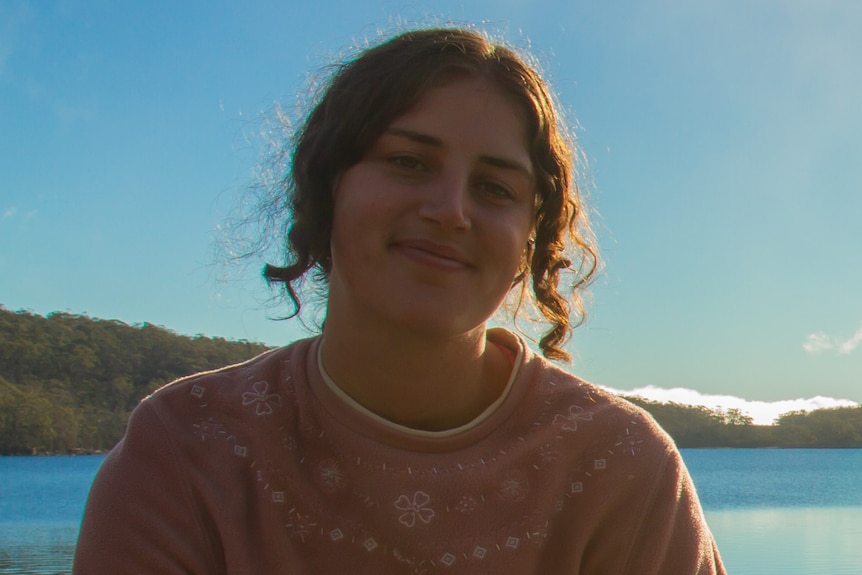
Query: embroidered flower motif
(630, 443)
(262, 400)
(300, 525)
(547, 454)
(415, 509)
(466, 504)
(329, 476)
(513, 487)
(570, 422)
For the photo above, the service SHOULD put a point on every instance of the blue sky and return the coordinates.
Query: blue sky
(723, 140)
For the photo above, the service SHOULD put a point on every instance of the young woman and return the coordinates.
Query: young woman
(429, 184)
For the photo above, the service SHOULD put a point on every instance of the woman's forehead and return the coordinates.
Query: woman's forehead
(466, 109)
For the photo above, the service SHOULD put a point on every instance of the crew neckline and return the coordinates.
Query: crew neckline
(349, 410)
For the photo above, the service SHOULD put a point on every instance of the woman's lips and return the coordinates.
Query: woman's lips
(433, 253)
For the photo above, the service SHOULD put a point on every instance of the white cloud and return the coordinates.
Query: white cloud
(819, 342)
(851, 344)
(8, 213)
(762, 412)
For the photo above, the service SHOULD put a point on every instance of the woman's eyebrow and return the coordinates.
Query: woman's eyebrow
(495, 161)
(417, 137)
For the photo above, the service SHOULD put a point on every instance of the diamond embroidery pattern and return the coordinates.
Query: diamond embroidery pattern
(416, 509)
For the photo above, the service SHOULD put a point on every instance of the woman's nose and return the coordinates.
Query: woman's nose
(447, 202)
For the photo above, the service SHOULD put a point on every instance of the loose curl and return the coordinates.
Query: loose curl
(366, 94)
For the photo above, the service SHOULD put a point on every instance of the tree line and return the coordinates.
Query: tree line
(699, 426)
(68, 383)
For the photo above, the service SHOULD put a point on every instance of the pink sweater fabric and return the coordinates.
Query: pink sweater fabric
(264, 467)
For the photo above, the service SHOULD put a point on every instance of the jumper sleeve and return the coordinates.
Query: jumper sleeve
(141, 517)
(673, 538)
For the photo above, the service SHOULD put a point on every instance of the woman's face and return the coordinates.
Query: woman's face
(431, 226)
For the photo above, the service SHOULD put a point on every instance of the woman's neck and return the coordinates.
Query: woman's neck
(415, 380)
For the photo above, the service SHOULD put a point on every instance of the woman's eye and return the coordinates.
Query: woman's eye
(495, 191)
(406, 162)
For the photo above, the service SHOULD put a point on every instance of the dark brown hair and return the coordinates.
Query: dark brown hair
(363, 97)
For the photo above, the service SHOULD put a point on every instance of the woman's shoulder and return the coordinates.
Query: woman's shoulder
(253, 387)
(265, 366)
(608, 420)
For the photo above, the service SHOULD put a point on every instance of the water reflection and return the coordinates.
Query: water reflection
(37, 549)
(790, 541)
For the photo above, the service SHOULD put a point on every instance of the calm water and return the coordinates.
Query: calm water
(787, 512)
(41, 502)
(783, 511)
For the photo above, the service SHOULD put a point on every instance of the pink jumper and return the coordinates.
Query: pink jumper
(267, 468)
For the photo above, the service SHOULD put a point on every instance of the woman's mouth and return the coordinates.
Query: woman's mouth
(436, 254)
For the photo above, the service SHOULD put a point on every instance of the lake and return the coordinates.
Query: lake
(783, 511)
(772, 511)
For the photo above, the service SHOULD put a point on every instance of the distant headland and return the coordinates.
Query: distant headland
(68, 383)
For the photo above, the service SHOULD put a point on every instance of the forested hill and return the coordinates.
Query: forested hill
(68, 383)
(698, 426)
